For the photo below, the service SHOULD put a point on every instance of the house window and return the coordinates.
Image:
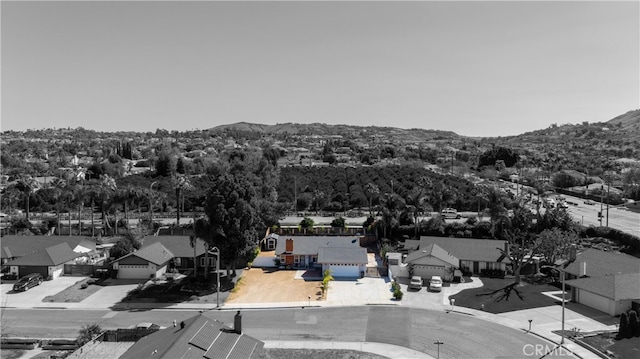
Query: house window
(296, 260)
(314, 259)
(492, 265)
(177, 261)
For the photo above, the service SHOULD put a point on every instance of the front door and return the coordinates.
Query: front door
(476, 267)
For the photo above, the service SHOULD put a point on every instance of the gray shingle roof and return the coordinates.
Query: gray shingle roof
(202, 337)
(616, 287)
(600, 263)
(180, 246)
(18, 246)
(342, 255)
(309, 245)
(435, 251)
(51, 256)
(468, 249)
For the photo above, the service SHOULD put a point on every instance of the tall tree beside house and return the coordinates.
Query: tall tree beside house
(180, 184)
(390, 208)
(417, 201)
(232, 219)
(555, 243)
(372, 191)
(59, 188)
(521, 240)
(28, 186)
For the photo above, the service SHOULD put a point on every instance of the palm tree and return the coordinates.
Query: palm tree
(180, 183)
(107, 187)
(416, 201)
(58, 186)
(496, 204)
(390, 208)
(28, 185)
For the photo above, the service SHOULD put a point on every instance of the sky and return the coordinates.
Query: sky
(477, 68)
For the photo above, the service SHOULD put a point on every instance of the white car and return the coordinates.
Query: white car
(416, 282)
(435, 284)
(450, 213)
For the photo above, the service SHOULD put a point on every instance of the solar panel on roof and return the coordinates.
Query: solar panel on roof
(205, 336)
(222, 346)
(244, 348)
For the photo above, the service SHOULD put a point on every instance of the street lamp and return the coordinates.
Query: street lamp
(438, 343)
(217, 254)
(563, 289)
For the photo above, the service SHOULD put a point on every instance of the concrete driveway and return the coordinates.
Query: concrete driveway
(34, 296)
(105, 298)
(424, 298)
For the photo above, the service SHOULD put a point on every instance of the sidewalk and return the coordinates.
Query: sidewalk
(387, 350)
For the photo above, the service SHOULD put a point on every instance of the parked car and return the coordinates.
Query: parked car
(27, 282)
(450, 213)
(589, 202)
(416, 282)
(435, 284)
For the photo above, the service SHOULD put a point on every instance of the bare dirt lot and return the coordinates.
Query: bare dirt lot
(272, 286)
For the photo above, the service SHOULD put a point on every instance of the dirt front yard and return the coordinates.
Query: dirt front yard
(271, 286)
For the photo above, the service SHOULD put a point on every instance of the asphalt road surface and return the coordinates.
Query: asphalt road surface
(622, 219)
(464, 336)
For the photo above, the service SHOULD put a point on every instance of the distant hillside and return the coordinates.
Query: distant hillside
(343, 130)
(630, 121)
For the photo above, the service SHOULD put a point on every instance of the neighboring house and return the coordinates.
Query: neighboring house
(160, 254)
(475, 255)
(48, 261)
(197, 337)
(432, 260)
(304, 252)
(443, 255)
(180, 247)
(343, 261)
(606, 281)
(150, 261)
(18, 246)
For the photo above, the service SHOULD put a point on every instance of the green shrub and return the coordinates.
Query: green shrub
(397, 294)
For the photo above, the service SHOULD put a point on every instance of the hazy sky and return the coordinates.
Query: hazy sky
(477, 68)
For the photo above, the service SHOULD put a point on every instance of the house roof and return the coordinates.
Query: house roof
(433, 250)
(411, 244)
(155, 253)
(468, 249)
(180, 246)
(309, 245)
(201, 337)
(51, 256)
(342, 255)
(19, 246)
(601, 263)
(616, 287)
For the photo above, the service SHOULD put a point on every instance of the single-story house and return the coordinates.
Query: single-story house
(48, 261)
(183, 253)
(304, 252)
(160, 254)
(432, 260)
(15, 246)
(443, 255)
(198, 337)
(606, 281)
(475, 255)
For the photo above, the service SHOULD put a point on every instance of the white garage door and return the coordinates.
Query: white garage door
(129, 271)
(594, 301)
(345, 270)
(426, 272)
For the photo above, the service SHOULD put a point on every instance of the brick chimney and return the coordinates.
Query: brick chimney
(237, 323)
(288, 247)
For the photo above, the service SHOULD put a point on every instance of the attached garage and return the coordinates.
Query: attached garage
(428, 271)
(593, 300)
(24, 270)
(147, 262)
(344, 270)
(132, 271)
